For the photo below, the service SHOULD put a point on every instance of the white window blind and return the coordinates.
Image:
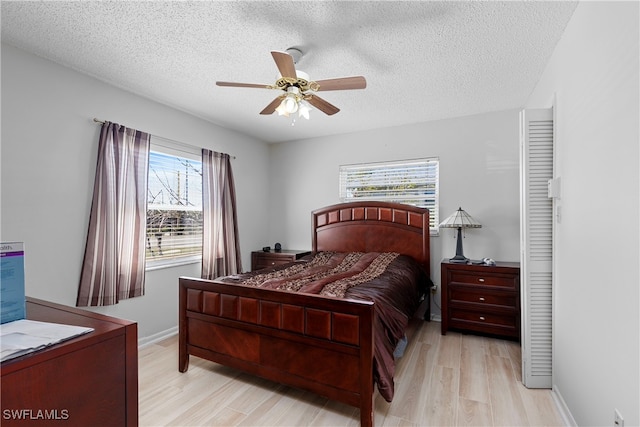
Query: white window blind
(174, 206)
(413, 182)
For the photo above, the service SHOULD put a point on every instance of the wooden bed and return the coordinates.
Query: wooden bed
(281, 335)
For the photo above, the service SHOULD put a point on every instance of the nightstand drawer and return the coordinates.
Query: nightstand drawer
(488, 279)
(468, 294)
(463, 318)
(261, 259)
(267, 260)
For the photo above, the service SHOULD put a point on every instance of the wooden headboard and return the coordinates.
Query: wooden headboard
(373, 227)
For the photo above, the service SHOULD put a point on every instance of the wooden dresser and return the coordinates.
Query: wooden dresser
(480, 298)
(262, 259)
(90, 380)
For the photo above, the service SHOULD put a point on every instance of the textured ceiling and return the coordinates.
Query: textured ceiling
(422, 60)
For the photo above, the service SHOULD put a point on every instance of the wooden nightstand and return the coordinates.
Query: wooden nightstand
(481, 298)
(262, 259)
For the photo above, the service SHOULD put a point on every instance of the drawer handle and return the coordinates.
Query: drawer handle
(481, 298)
(481, 317)
(481, 280)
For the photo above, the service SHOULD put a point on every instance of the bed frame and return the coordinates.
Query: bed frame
(280, 335)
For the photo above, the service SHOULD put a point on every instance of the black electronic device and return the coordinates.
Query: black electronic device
(277, 247)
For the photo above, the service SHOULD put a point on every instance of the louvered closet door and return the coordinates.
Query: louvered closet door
(536, 225)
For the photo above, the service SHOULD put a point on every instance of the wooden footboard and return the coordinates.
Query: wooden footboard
(314, 343)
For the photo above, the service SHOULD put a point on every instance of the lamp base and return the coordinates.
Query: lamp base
(459, 258)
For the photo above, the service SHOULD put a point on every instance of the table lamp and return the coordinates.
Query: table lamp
(459, 219)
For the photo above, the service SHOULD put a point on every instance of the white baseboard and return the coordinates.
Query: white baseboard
(436, 318)
(565, 413)
(152, 339)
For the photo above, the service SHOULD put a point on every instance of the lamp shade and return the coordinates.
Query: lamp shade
(460, 219)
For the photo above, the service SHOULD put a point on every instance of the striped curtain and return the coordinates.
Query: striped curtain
(221, 244)
(114, 263)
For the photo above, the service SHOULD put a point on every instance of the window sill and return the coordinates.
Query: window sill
(162, 264)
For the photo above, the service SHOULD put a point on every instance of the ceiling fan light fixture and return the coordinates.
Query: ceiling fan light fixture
(290, 104)
(303, 109)
(281, 111)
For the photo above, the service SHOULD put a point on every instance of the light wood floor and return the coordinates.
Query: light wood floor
(452, 380)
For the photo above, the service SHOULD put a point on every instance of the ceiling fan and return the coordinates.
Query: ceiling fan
(297, 89)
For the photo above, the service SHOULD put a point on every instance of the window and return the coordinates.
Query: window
(174, 207)
(413, 182)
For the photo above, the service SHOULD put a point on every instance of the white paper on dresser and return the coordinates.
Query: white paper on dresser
(25, 336)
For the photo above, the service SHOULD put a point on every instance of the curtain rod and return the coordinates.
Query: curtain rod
(161, 137)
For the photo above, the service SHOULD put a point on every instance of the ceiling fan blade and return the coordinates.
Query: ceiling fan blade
(285, 64)
(322, 105)
(269, 109)
(232, 84)
(343, 83)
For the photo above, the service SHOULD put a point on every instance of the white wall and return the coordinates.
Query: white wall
(593, 75)
(49, 149)
(478, 171)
